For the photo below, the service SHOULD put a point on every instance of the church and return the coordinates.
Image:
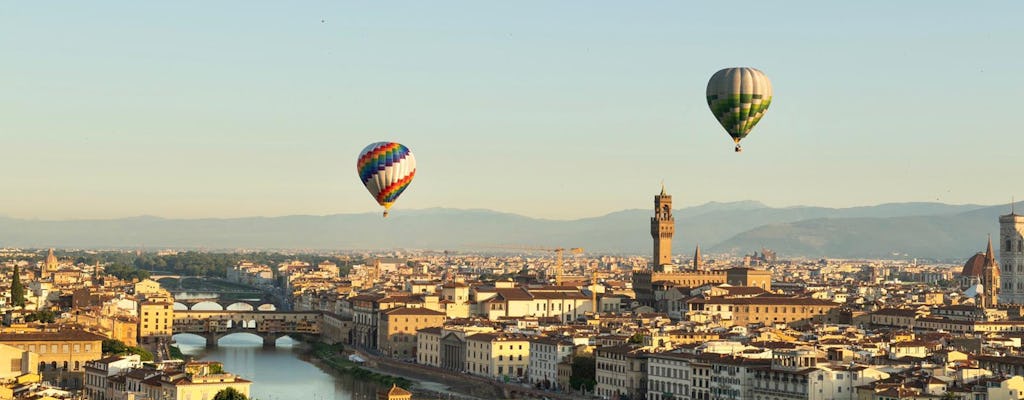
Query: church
(980, 276)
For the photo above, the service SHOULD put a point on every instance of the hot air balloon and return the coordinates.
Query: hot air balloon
(386, 169)
(739, 97)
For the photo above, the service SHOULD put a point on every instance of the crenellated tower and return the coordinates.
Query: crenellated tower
(663, 226)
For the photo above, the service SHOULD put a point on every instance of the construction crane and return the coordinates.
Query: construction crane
(558, 252)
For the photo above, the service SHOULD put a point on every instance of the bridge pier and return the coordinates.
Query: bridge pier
(269, 341)
(211, 340)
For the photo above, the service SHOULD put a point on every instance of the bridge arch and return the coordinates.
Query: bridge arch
(266, 307)
(207, 306)
(239, 306)
(269, 325)
(180, 306)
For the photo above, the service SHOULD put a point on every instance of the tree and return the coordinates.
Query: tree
(584, 371)
(45, 316)
(114, 346)
(637, 338)
(17, 289)
(229, 394)
(117, 347)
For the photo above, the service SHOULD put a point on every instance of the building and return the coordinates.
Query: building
(675, 375)
(663, 226)
(768, 310)
(983, 269)
(802, 374)
(428, 346)
(49, 266)
(15, 362)
(398, 326)
(394, 393)
(198, 380)
(499, 356)
(61, 355)
(148, 288)
(566, 304)
(663, 273)
(97, 373)
(156, 320)
(455, 297)
(620, 371)
(545, 354)
(1011, 256)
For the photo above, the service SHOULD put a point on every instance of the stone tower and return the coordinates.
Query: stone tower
(990, 279)
(1011, 257)
(698, 260)
(663, 226)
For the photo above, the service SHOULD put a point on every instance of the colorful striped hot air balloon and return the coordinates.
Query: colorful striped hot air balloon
(739, 97)
(386, 169)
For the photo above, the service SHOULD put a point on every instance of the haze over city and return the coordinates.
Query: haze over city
(550, 110)
(465, 200)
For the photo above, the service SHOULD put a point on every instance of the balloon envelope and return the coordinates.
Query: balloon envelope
(386, 169)
(739, 97)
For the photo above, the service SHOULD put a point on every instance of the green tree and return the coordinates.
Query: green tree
(114, 346)
(637, 338)
(45, 316)
(229, 394)
(117, 347)
(17, 289)
(584, 373)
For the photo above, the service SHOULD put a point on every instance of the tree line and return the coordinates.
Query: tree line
(129, 265)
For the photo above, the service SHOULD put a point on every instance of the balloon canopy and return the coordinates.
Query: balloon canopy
(386, 169)
(739, 97)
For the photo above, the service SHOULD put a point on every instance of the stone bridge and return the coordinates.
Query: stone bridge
(269, 325)
(201, 304)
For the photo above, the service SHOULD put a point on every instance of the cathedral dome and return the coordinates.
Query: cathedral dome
(974, 266)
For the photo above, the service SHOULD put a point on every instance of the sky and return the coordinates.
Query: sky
(557, 110)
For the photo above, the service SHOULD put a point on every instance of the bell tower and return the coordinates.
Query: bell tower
(1011, 257)
(990, 279)
(663, 226)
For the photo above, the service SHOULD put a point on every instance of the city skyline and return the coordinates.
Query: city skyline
(119, 109)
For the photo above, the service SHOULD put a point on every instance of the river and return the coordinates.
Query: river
(281, 373)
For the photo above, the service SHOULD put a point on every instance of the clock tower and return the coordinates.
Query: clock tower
(663, 226)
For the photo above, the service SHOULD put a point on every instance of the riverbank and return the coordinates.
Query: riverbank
(423, 386)
(288, 371)
(332, 356)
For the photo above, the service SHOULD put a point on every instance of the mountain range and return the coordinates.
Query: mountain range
(897, 230)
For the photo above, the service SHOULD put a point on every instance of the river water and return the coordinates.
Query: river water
(281, 373)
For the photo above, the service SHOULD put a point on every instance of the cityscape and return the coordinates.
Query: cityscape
(597, 200)
(522, 322)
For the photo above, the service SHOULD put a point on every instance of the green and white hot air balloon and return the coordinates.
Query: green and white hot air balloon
(739, 97)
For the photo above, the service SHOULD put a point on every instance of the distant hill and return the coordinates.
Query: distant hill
(943, 236)
(918, 229)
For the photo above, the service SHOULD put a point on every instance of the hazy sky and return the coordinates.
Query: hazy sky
(550, 109)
